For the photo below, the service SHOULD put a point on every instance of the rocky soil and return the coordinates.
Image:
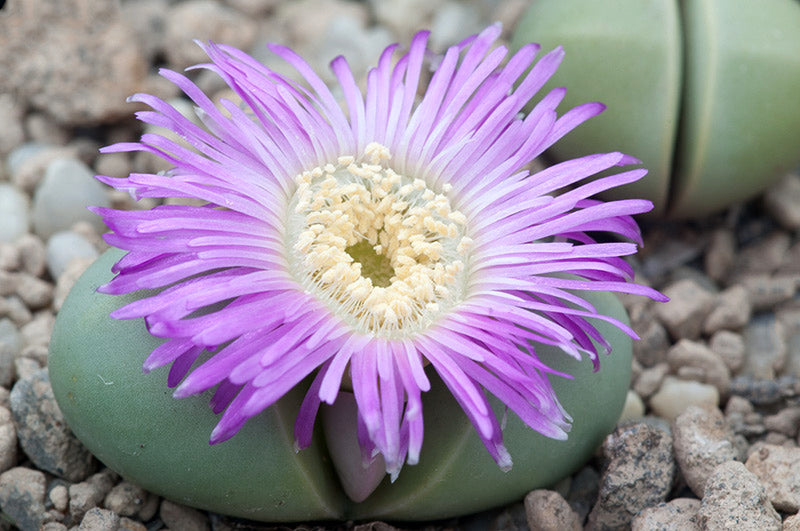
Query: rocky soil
(709, 438)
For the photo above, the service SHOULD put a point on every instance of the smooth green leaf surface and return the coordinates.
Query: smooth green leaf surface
(627, 55)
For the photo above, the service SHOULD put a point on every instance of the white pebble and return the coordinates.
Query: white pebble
(63, 247)
(676, 395)
(16, 216)
(61, 199)
(633, 408)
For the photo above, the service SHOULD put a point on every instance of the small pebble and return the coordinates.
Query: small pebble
(778, 469)
(767, 291)
(89, 493)
(34, 292)
(97, 519)
(633, 408)
(679, 514)
(16, 213)
(782, 202)
(22, 496)
(61, 199)
(652, 345)
(766, 347)
(684, 314)
(59, 497)
(8, 440)
(11, 130)
(702, 440)
(731, 310)
(32, 255)
(709, 366)
(126, 524)
(720, 255)
(792, 523)
(785, 421)
(764, 255)
(734, 498)
(65, 246)
(676, 395)
(547, 510)
(42, 431)
(178, 517)
(639, 474)
(125, 499)
(730, 347)
(650, 379)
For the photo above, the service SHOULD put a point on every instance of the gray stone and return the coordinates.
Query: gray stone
(29, 162)
(181, 518)
(8, 440)
(791, 262)
(37, 331)
(59, 497)
(767, 291)
(11, 131)
(15, 310)
(97, 519)
(63, 195)
(31, 254)
(731, 310)
(64, 246)
(766, 347)
(764, 255)
(34, 292)
(583, 491)
(720, 254)
(702, 440)
(730, 347)
(71, 274)
(16, 215)
(792, 523)
(684, 314)
(52, 60)
(652, 345)
(735, 499)
(10, 346)
(9, 257)
(22, 496)
(785, 421)
(43, 434)
(125, 499)
(547, 510)
(90, 493)
(639, 474)
(778, 469)
(650, 379)
(782, 201)
(126, 524)
(709, 367)
(679, 514)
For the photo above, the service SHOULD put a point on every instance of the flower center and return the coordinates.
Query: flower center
(386, 252)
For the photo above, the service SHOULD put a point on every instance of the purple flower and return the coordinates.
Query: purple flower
(361, 246)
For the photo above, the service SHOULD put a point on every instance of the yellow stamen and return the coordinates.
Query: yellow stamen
(385, 251)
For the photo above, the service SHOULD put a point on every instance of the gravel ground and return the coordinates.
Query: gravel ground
(709, 437)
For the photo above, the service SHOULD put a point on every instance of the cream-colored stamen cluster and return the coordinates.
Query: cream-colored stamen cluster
(417, 241)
